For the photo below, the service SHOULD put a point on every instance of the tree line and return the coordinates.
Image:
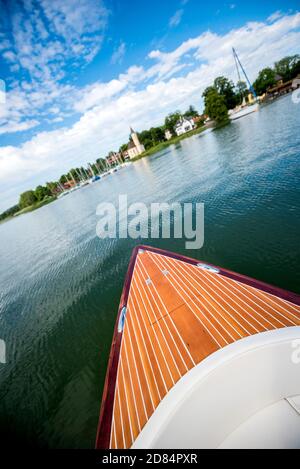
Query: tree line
(222, 96)
(287, 68)
(156, 135)
(148, 138)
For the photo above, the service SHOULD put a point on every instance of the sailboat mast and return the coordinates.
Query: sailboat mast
(237, 65)
(238, 62)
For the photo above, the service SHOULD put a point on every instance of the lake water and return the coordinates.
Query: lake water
(61, 285)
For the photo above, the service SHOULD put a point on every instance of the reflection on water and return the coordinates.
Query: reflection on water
(60, 284)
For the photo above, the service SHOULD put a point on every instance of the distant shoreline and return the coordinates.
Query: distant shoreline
(149, 152)
(161, 146)
(152, 151)
(31, 208)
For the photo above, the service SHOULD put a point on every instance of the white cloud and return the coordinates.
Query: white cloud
(75, 19)
(98, 93)
(142, 97)
(15, 126)
(42, 39)
(118, 54)
(70, 24)
(176, 18)
(275, 16)
(9, 56)
(2, 92)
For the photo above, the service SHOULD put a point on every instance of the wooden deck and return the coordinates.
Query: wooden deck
(178, 313)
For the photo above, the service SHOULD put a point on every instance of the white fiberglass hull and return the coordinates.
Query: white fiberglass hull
(244, 112)
(243, 396)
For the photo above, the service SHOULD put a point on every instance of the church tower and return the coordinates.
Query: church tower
(140, 148)
(134, 137)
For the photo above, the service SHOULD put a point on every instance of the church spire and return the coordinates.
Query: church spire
(135, 147)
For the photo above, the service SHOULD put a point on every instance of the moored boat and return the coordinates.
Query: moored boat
(244, 109)
(237, 113)
(202, 357)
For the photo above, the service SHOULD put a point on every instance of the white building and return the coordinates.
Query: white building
(184, 125)
(135, 148)
(168, 135)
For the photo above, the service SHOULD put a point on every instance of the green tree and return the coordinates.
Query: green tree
(207, 91)
(171, 121)
(157, 135)
(191, 112)
(241, 90)
(215, 105)
(296, 69)
(225, 88)
(150, 138)
(52, 186)
(101, 164)
(148, 143)
(145, 138)
(73, 176)
(95, 169)
(265, 79)
(123, 147)
(9, 212)
(63, 179)
(26, 199)
(201, 122)
(41, 193)
(287, 67)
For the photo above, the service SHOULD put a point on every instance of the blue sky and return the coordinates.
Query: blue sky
(79, 72)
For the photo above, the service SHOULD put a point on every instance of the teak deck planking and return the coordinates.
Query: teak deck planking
(178, 313)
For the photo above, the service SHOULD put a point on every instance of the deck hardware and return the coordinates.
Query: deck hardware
(165, 272)
(141, 251)
(295, 403)
(148, 281)
(209, 268)
(122, 320)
